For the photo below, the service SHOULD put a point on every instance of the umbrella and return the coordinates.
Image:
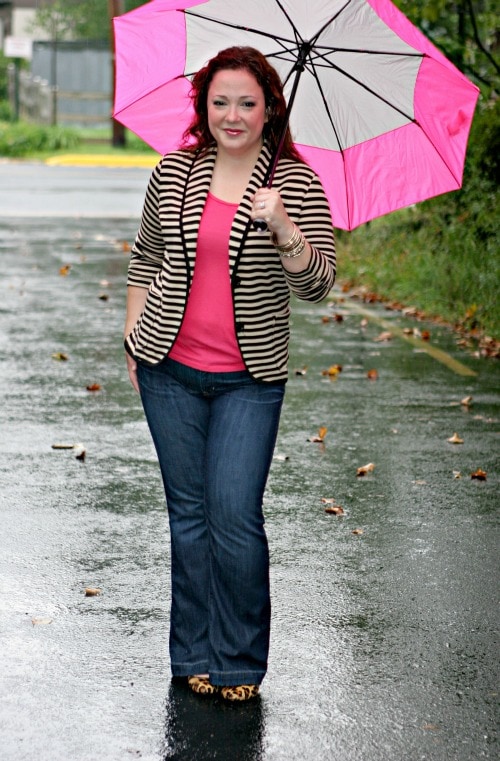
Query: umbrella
(375, 109)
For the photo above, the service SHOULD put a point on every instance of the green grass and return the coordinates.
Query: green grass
(447, 268)
(26, 140)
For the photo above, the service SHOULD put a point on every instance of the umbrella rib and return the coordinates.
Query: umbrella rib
(335, 132)
(368, 89)
(457, 179)
(365, 51)
(240, 27)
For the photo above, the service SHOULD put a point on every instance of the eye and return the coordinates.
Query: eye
(218, 102)
(249, 104)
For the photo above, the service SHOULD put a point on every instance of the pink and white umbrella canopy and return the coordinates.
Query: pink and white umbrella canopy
(379, 113)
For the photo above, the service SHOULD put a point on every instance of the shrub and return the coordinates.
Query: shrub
(21, 139)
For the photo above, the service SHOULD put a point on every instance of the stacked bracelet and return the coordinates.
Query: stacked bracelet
(293, 247)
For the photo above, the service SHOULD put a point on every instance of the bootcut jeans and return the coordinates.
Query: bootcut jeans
(214, 435)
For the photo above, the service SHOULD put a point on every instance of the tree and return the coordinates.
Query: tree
(466, 32)
(77, 19)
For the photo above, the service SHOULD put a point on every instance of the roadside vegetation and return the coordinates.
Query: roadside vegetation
(35, 141)
(441, 256)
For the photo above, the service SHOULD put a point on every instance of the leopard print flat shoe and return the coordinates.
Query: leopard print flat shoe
(201, 685)
(240, 692)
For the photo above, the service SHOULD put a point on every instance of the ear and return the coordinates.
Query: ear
(267, 114)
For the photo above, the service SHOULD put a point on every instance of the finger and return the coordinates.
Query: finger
(133, 380)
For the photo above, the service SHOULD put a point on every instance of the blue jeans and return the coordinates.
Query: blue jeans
(214, 434)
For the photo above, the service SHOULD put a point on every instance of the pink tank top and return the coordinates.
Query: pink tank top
(207, 338)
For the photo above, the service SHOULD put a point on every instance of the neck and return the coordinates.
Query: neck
(235, 162)
(231, 175)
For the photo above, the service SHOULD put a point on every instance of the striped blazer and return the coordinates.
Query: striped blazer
(164, 252)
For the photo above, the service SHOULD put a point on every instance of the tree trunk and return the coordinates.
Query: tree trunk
(116, 8)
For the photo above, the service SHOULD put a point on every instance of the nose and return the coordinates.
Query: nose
(232, 114)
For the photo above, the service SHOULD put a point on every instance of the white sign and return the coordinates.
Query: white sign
(18, 47)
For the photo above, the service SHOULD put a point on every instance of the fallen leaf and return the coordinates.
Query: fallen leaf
(365, 469)
(385, 336)
(320, 437)
(455, 439)
(357, 531)
(301, 371)
(335, 510)
(64, 270)
(41, 621)
(94, 387)
(426, 336)
(63, 446)
(466, 401)
(103, 297)
(81, 454)
(372, 374)
(479, 475)
(60, 356)
(332, 371)
(92, 591)
(364, 322)
(125, 246)
(338, 317)
(457, 474)
(325, 318)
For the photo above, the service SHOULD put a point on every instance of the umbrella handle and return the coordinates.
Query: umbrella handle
(260, 225)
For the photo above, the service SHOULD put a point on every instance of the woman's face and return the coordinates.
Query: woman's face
(236, 112)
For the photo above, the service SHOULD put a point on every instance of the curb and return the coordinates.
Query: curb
(107, 160)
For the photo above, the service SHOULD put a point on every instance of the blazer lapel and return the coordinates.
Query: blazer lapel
(197, 185)
(242, 222)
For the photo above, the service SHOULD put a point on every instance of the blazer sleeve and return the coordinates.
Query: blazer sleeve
(315, 222)
(148, 250)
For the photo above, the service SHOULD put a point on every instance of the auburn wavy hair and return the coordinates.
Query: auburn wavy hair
(255, 63)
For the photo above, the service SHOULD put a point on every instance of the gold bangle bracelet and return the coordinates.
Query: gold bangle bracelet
(291, 243)
(294, 252)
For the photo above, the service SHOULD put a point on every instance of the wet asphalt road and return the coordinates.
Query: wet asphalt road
(384, 643)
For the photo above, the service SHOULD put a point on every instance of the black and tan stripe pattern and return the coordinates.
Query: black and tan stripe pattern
(163, 258)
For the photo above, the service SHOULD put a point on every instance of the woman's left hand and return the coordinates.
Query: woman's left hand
(267, 205)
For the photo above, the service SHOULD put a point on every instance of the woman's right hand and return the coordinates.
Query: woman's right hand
(132, 371)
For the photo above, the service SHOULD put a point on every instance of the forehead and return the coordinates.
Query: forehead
(235, 80)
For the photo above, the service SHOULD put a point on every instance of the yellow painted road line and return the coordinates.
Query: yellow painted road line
(146, 161)
(438, 354)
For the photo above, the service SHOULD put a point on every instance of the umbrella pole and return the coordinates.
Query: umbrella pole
(305, 48)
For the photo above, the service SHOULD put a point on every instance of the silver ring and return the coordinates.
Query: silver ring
(262, 205)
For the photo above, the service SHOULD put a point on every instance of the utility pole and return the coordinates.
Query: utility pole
(116, 8)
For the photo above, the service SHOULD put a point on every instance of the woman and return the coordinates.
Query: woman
(206, 335)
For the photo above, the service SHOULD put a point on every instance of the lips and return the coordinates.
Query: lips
(233, 132)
